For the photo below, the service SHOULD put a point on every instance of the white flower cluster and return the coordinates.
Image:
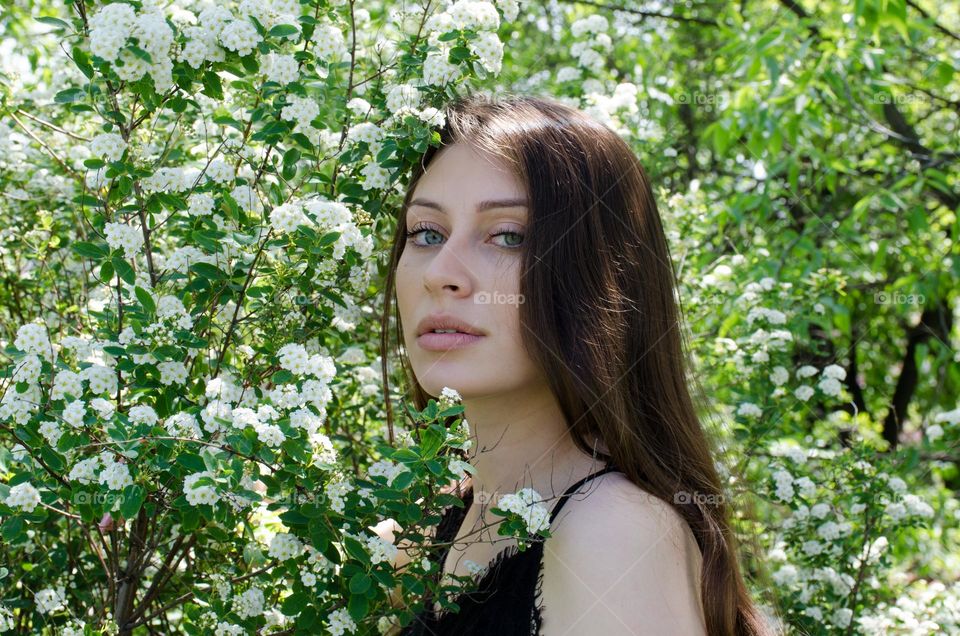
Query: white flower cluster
(241, 36)
(380, 551)
(748, 409)
(24, 496)
(183, 424)
(172, 372)
(590, 50)
(329, 43)
(388, 469)
(142, 414)
(282, 69)
(50, 600)
(830, 381)
(249, 604)
(784, 481)
(115, 474)
(66, 383)
(448, 397)
(109, 146)
(527, 503)
(481, 17)
(326, 216)
(127, 237)
(302, 111)
(335, 492)
(32, 338)
(200, 494)
(340, 622)
(115, 24)
(285, 546)
(771, 316)
(200, 204)
(402, 99)
(294, 358)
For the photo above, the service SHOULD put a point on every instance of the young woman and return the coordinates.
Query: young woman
(531, 274)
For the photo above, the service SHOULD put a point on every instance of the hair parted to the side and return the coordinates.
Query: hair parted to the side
(600, 317)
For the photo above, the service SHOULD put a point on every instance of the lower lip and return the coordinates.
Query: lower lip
(446, 341)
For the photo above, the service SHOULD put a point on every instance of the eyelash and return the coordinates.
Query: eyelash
(422, 227)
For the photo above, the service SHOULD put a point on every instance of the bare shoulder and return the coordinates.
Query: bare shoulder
(621, 561)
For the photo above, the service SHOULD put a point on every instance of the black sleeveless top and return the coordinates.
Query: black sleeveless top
(504, 602)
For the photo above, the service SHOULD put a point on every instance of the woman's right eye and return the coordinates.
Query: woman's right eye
(420, 229)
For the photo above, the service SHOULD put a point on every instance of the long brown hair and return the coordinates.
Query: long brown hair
(599, 294)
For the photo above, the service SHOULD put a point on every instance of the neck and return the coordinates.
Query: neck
(521, 441)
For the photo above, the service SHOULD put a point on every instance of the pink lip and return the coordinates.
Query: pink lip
(446, 341)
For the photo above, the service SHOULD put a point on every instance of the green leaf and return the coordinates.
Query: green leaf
(124, 270)
(146, 300)
(294, 604)
(57, 22)
(106, 272)
(192, 462)
(91, 250)
(358, 606)
(329, 238)
(82, 60)
(189, 519)
(430, 440)
(283, 30)
(69, 95)
(208, 271)
(405, 455)
(360, 583)
(133, 497)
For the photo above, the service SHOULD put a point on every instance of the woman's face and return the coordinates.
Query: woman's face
(468, 216)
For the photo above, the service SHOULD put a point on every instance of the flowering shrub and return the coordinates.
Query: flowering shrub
(199, 197)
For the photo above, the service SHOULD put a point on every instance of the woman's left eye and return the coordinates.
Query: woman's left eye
(518, 239)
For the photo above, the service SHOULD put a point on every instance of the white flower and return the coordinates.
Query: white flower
(109, 146)
(24, 496)
(203, 494)
(340, 622)
(50, 600)
(116, 475)
(287, 217)
(934, 432)
(949, 417)
(143, 414)
(786, 575)
(127, 237)
(527, 503)
(841, 617)
(85, 471)
(285, 546)
(240, 36)
(803, 393)
(282, 69)
(32, 338)
(249, 604)
(779, 375)
(834, 371)
(402, 98)
(449, 397)
(747, 409)
(806, 371)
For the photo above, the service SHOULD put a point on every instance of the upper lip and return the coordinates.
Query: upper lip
(446, 321)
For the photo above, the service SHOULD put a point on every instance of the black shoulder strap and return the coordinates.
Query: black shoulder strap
(572, 489)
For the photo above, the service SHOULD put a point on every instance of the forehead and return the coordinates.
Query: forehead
(463, 174)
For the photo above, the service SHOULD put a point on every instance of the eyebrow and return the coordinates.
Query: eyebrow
(482, 207)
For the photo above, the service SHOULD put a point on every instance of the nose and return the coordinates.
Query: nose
(449, 270)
